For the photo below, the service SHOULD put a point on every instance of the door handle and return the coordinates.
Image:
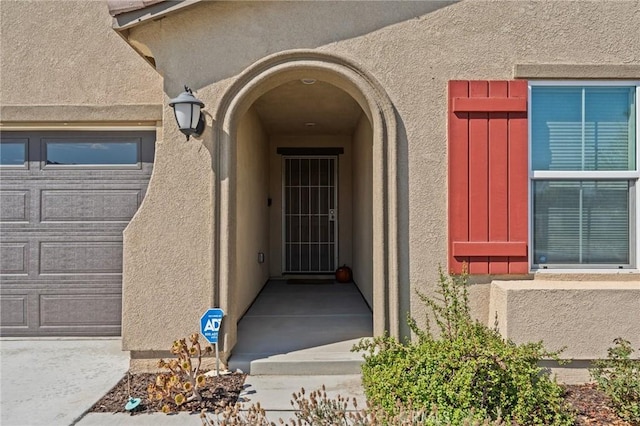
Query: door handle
(332, 215)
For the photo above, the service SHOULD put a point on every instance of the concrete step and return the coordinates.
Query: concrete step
(332, 359)
(277, 365)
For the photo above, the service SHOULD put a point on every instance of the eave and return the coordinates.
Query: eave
(135, 12)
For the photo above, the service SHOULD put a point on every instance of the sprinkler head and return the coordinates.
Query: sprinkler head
(132, 404)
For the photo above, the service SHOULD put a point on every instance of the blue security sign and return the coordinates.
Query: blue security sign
(210, 324)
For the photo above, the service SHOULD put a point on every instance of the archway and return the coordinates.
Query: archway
(341, 74)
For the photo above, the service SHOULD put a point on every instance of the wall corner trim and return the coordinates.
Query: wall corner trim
(577, 71)
(81, 113)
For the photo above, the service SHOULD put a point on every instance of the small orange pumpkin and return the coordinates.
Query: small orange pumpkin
(343, 274)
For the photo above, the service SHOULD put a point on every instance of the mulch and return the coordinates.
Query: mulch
(591, 405)
(217, 393)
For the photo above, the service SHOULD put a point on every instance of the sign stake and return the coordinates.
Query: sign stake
(217, 361)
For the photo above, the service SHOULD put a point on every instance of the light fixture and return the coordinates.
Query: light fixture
(187, 110)
(308, 80)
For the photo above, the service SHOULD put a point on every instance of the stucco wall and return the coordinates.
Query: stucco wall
(252, 223)
(580, 317)
(168, 249)
(415, 59)
(362, 231)
(581, 308)
(413, 51)
(65, 54)
(232, 35)
(344, 192)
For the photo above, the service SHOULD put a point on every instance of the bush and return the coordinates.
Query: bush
(467, 371)
(618, 377)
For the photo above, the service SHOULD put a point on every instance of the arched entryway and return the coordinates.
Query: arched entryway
(265, 134)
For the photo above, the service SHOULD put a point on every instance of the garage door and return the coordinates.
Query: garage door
(65, 198)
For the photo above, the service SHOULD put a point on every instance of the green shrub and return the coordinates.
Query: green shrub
(467, 370)
(618, 376)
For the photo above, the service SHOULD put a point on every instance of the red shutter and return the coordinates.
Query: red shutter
(488, 177)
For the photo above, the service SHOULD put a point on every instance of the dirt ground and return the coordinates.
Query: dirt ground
(217, 393)
(592, 406)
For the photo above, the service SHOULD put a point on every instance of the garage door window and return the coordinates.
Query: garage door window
(13, 154)
(91, 153)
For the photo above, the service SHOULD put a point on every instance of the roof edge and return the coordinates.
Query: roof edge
(117, 7)
(140, 11)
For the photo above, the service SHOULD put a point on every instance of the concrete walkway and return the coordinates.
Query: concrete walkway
(272, 392)
(301, 332)
(54, 381)
(302, 329)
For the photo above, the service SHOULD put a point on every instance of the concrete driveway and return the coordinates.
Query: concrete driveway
(54, 381)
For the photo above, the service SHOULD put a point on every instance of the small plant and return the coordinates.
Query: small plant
(466, 371)
(235, 415)
(183, 380)
(317, 409)
(618, 377)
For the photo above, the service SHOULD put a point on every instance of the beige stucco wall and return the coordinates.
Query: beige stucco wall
(232, 35)
(560, 311)
(168, 248)
(252, 212)
(362, 231)
(61, 61)
(580, 317)
(413, 51)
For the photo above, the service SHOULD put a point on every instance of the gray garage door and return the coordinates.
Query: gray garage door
(65, 198)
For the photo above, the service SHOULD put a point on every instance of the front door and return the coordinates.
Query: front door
(310, 229)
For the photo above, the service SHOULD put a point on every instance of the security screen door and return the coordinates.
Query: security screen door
(310, 214)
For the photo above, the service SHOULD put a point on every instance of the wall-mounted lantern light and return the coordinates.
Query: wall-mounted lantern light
(187, 110)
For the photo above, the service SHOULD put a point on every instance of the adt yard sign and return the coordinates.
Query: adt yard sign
(210, 324)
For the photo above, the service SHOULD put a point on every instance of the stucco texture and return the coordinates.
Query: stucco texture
(64, 54)
(558, 312)
(252, 220)
(167, 266)
(362, 252)
(412, 49)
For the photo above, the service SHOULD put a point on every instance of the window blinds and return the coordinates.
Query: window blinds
(573, 130)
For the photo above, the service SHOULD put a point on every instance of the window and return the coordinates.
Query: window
(584, 174)
(13, 153)
(91, 153)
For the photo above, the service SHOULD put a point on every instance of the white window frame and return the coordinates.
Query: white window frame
(633, 176)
